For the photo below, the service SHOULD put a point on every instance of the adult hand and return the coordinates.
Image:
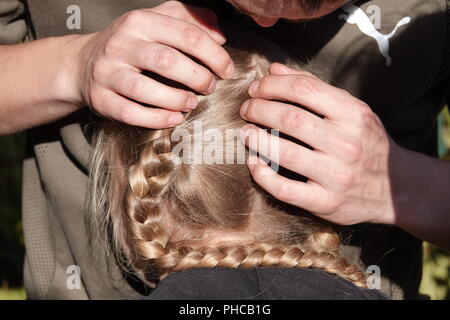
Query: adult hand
(348, 169)
(157, 40)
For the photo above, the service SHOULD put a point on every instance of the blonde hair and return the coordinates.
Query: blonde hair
(164, 216)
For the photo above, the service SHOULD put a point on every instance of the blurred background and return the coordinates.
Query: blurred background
(436, 267)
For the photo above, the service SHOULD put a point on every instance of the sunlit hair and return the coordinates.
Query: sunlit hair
(159, 215)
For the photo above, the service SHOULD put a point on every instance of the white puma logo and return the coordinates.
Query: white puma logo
(355, 15)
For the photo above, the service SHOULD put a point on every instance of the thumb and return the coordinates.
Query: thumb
(280, 69)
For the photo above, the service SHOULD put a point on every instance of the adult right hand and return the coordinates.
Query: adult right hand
(158, 40)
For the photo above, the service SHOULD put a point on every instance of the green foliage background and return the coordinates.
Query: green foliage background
(11, 235)
(436, 266)
(436, 275)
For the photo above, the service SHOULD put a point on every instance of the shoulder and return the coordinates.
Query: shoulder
(259, 283)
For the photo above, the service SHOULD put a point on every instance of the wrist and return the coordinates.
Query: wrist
(405, 185)
(392, 186)
(70, 74)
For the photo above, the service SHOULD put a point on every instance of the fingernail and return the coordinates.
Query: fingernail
(175, 119)
(212, 86)
(244, 109)
(192, 102)
(253, 88)
(230, 71)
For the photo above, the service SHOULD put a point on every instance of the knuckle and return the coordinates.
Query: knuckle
(192, 36)
(352, 150)
(123, 114)
(174, 9)
(133, 86)
(315, 129)
(291, 120)
(172, 5)
(96, 100)
(133, 17)
(331, 204)
(289, 157)
(344, 179)
(364, 114)
(284, 193)
(99, 70)
(303, 85)
(163, 58)
(344, 92)
(112, 46)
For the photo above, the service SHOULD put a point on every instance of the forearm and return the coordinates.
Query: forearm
(421, 196)
(39, 82)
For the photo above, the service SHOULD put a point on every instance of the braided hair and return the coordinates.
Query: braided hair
(164, 215)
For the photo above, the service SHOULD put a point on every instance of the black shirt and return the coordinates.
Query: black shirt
(259, 284)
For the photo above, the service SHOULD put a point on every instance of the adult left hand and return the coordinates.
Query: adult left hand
(347, 169)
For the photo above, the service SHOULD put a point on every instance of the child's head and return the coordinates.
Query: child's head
(165, 214)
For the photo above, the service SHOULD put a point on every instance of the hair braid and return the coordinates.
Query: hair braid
(165, 217)
(148, 181)
(257, 255)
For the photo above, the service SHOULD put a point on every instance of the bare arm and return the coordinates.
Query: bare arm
(421, 196)
(37, 82)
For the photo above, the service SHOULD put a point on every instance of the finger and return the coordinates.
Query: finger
(131, 113)
(277, 68)
(133, 85)
(287, 154)
(307, 91)
(307, 196)
(291, 120)
(202, 17)
(192, 40)
(171, 64)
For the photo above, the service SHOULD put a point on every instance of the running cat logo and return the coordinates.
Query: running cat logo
(355, 15)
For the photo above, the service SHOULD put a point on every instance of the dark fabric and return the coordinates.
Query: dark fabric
(13, 28)
(259, 284)
(407, 96)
